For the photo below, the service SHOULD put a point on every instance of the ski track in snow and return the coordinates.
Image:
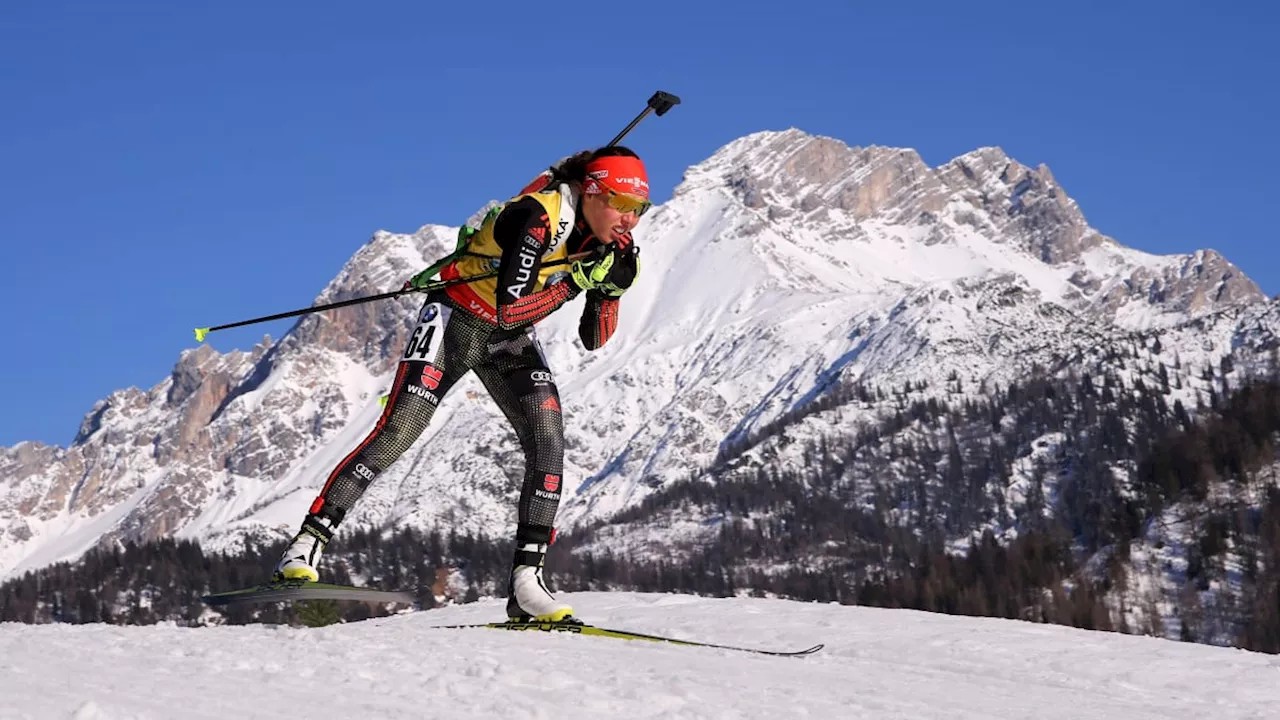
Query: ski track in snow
(877, 663)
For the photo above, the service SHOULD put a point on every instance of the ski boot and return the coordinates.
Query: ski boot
(527, 596)
(303, 554)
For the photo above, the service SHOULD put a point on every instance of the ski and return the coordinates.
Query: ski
(579, 628)
(288, 590)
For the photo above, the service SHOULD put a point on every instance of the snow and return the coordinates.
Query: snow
(877, 663)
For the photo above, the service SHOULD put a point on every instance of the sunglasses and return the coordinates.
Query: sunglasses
(625, 202)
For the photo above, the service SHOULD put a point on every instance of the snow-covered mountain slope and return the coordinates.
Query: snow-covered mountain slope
(782, 263)
(877, 663)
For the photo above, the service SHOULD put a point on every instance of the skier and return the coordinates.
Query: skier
(590, 202)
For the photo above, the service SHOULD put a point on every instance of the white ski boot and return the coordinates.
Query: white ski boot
(303, 554)
(527, 595)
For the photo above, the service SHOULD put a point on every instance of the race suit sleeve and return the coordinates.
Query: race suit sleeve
(522, 231)
(599, 320)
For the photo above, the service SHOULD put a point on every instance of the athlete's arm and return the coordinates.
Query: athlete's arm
(523, 231)
(599, 320)
(600, 316)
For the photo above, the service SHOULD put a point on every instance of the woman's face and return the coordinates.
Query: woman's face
(606, 222)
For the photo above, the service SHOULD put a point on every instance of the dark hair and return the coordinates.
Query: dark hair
(574, 167)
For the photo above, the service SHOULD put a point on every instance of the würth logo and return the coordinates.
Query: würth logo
(431, 377)
(551, 483)
(538, 232)
(551, 404)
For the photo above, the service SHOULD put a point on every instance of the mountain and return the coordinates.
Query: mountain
(783, 266)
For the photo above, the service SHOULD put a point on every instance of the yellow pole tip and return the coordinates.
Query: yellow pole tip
(201, 333)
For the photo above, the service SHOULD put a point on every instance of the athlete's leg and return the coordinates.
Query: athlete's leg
(517, 377)
(442, 348)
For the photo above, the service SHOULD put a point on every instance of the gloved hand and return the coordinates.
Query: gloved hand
(590, 272)
(626, 267)
(421, 279)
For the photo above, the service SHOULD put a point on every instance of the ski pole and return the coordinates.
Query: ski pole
(203, 332)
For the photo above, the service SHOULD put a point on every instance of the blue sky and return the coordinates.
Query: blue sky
(171, 165)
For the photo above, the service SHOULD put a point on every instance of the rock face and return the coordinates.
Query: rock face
(782, 263)
(844, 192)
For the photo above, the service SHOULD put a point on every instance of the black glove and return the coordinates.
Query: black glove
(591, 272)
(626, 266)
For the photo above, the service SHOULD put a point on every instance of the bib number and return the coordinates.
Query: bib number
(424, 343)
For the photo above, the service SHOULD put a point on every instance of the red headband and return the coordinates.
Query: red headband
(619, 173)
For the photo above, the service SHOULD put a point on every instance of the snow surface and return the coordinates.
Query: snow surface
(877, 663)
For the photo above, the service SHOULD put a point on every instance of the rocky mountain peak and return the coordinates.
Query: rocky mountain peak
(805, 185)
(381, 265)
(830, 260)
(793, 172)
